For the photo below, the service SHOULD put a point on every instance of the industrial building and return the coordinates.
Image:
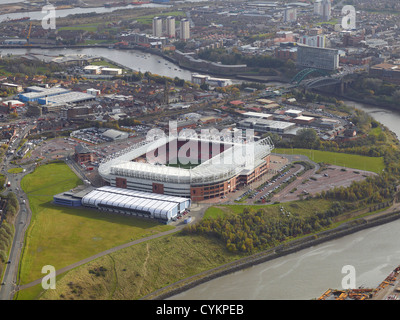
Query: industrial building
(114, 135)
(214, 82)
(141, 204)
(37, 93)
(97, 70)
(136, 203)
(67, 98)
(264, 125)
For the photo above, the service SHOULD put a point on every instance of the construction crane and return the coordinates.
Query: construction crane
(29, 34)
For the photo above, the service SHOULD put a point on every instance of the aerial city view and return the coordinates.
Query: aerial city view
(199, 150)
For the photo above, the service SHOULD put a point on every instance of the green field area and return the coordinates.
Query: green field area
(189, 165)
(149, 18)
(354, 161)
(92, 27)
(15, 170)
(136, 271)
(301, 208)
(60, 236)
(104, 63)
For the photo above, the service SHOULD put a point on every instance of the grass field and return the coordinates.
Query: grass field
(60, 236)
(103, 63)
(373, 164)
(136, 271)
(92, 27)
(149, 18)
(297, 208)
(15, 170)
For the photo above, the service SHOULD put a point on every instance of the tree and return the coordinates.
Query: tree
(306, 138)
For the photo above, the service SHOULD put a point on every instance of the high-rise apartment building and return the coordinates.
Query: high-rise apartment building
(317, 7)
(170, 27)
(290, 15)
(313, 41)
(184, 29)
(157, 27)
(326, 10)
(318, 58)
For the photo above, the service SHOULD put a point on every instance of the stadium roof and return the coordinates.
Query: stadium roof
(220, 167)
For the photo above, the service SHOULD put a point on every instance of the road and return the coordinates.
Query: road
(22, 221)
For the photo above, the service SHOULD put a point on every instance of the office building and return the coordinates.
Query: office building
(318, 58)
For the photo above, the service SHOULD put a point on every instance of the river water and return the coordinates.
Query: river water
(38, 15)
(134, 59)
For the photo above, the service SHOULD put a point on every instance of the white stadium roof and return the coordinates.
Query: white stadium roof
(240, 157)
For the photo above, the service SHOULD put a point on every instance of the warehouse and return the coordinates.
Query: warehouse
(65, 98)
(160, 207)
(263, 125)
(114, 135)
(257, 115)
(35, 95)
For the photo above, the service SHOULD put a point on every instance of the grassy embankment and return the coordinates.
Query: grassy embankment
(60, 236)
(354, 161)
(15, 170)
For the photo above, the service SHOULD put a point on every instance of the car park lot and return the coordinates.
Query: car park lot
(333, 176)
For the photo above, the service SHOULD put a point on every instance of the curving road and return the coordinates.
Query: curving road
(22, 220)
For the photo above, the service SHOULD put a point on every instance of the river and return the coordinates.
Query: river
(134, 59)
(61, 13)
(310, 272)
(389, 118)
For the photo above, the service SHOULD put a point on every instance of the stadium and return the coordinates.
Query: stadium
(188, 166)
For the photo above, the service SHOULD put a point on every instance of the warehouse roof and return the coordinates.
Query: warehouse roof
(114, 134)
(156, 206)
(71, 97)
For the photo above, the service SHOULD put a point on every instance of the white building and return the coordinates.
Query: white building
(214, 82)
(317, 7)
(326, 10)
(157, 27)
(184, 29)
(318, 41)
(290, 15)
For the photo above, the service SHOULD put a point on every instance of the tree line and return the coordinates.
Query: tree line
(252, 231)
